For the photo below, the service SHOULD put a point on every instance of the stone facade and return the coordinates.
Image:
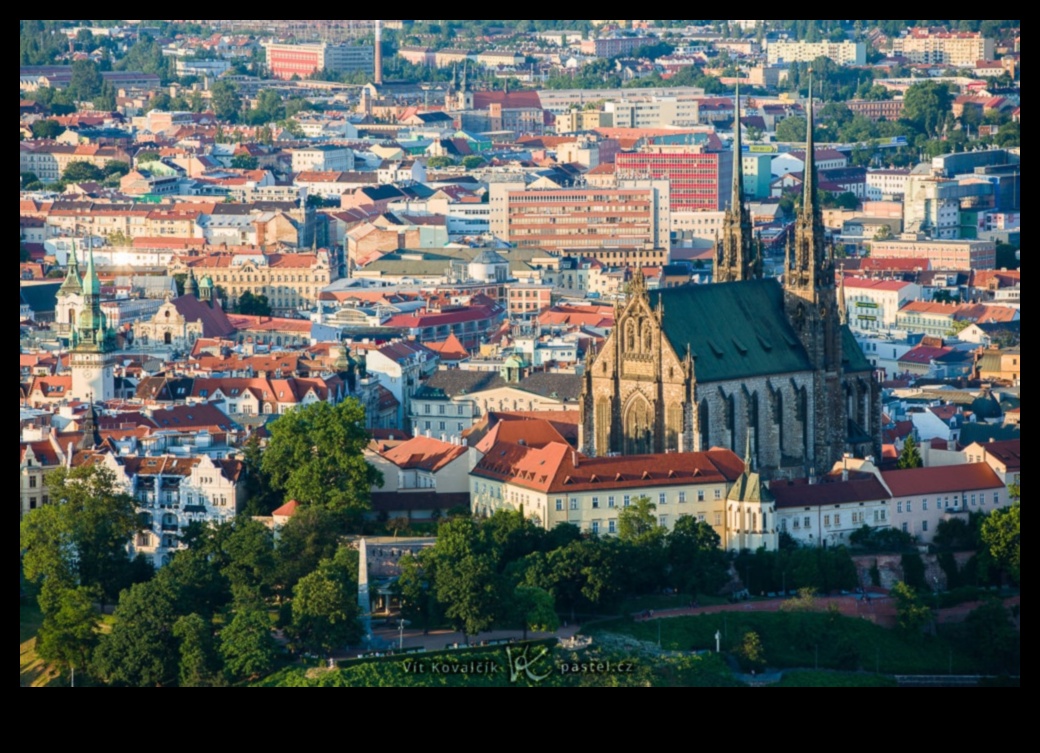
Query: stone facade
(741, 364)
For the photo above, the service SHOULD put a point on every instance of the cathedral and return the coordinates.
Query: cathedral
(745, 362)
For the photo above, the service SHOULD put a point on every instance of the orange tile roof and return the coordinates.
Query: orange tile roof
(948, 478)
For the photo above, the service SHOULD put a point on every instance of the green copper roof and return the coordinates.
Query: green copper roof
(735, 330)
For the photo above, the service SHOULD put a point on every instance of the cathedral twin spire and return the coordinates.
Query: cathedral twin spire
(809, 263)
(736, 257)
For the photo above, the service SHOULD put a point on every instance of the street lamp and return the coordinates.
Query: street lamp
(400, 634)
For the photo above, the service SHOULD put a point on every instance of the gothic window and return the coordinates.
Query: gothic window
(638, 426)
(674, 426)
(648, 337)
(630, 336)
(704, 419)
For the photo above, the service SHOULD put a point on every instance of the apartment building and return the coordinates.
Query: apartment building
(942, 254)
(842, 53)
(633, 216)
(959, 48)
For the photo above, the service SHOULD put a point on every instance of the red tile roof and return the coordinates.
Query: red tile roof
(557, 468)
(287, 510)
(940, 479)
(424, 453)
(830, 491)
(1008, 452)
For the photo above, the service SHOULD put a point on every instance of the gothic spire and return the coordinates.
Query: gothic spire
(843, 312)
(91, 283)
(809, 175)
(747, 452)
(72, 283)
(738, 172)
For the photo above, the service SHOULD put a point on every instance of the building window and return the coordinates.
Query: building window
(700, 495)
(826, 521)
(837, 519)
(574, 503)
(996, 498)
(612, 526)
(626, 500)
(718, 494)
(808, 521)
(682, 496)
(32, 482)
(595, 503)
(899, 506)
(595, 526)
(559, 505)
(924, 504)
(663, 520)
(662, 499)
(924, 525)
(972, 500)
(610, 501)
(906, 527)
(908, 503)
(718, 518)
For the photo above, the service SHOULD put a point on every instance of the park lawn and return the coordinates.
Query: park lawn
(641, 670)
(812, 679)
(32, 670)
(805, 639)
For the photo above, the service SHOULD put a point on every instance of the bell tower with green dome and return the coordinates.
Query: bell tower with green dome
(93, 343)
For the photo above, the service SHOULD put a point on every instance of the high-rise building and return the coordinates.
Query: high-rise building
(303, 60)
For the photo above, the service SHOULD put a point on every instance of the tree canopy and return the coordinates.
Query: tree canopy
(315, 456)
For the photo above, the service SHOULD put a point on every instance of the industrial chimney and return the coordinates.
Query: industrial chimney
(379, 53)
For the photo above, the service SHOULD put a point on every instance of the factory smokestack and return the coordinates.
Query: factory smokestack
(379, 52)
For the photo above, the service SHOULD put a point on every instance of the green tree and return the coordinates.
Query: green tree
(46, 129)
(911, 613)
(696, 563)
(534, 609)
(85, 82)
(791, 129)
(1001, 535)
(325, 613)
(80, 539)
(439, 161)
(472, 161)
(225, 100)
(926, 105)
(199, 664)
(140, 650)
(311, 535)
(68, 634)
(247, 646)
(910, 457)
(253, 305)
(260, 499)
(637, 520)
(115, 167)
(466, 582)
(146, 156)
(244, 162)
(414, 588)
(315, 455)
(751, 653)
(80, 171)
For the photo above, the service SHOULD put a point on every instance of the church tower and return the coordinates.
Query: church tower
(811, 303)
(92, 344)
(736, 257)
